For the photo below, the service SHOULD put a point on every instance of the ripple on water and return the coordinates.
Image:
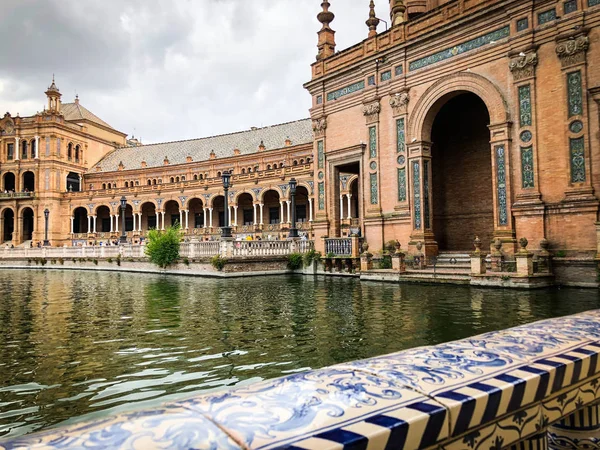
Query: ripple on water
(83, 345)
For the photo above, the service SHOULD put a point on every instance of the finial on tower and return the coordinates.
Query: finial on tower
(372, 21)
(53, 95)
(397, 12)
(326, 43)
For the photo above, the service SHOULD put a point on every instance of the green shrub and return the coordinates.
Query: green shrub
(37, 261)
(109, 260)
(294, 261)
(560, 254)
(81, 260)
(390, 246)
(74, 260)
(95, 261)
(330, 255)
(28, 260)
(61, 261)
(218, 262)
(186, 261)
(163, 246)
(43, 261)
(311, 256)
(130, 260)
(386, 262)
(118, 260)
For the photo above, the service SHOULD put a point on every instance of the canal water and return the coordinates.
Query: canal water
(81, 345)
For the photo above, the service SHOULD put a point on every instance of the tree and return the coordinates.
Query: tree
(163, 246)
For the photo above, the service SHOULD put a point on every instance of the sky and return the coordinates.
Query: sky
(167, 70)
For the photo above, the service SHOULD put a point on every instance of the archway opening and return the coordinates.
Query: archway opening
(9, 182)
(73, 183)
(172, 213)
(27, 229)
(462, 195)
(149, 221)
(8, 222)
(301, 204)
(196, 208)
(218, 217)
(28, 182)
(80, 220)
(272, 208)
(103, 219)
(245, 204)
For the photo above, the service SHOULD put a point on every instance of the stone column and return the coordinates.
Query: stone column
(72, 220)
(94, 218)
(366, 262)
(282, 215)
(37, 147)
(187, 218)
(89, 227)
(310, 211)
(162, 213)
(255, 217)
(211, 216)
(17, 141)
(205, 222)
(398, 262)
(349, 206)
(579, 430)
(288, 211)
(181, 218)
(261, 205)
(133, 227)
(524, 259)
(140, 222)
(235, 217)
(111, 223)
(116, 223)
(341, 206)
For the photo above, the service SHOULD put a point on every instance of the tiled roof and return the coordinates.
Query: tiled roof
(75, 112)
(274, 137)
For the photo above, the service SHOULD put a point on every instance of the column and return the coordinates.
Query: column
(210, 210)
(187, 218)
(72, 220)
(288, 211)
(133, 228)
(281, 217)
(341, 206)
(89, 228)
(261, 205)
(162, 213)
(349, 206)
(140, 222)
(94, 218)
(17, 150)
(205, 223)
(255, 221)
(111, 223)
(116, 223)
(181, 218)
(80, 183)
(37, 147)
(235, 217)
(310, 209)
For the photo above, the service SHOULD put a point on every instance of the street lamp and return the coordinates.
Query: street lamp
(293, 230)
(226, 229)
(46, 241)
(123, 239)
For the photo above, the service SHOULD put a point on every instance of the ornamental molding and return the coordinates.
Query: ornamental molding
(371, 111)
(571, 51)
(523, 66)
(319, 127)
(399, 102)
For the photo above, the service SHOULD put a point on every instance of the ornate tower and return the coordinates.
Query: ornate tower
(326, 43)
(372, 21)
(54, 96)
(397, 12)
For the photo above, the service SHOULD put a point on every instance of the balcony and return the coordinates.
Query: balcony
(4, 195)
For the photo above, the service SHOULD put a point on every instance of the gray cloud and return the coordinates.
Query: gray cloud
(170, 69)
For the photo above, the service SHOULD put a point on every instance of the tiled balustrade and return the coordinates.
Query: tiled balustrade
(511, 389)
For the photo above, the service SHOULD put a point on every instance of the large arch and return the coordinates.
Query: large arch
(103, 219)
(149, 216)
(27, 226)
(80, 220)
(272, 207)
(172, 215)
(8, 225)
(28, 183)
(8, 182)
(74, 182)
(245, 209)
(196, 212)
(429, 104)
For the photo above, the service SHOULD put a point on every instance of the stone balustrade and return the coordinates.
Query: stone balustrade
(512, 389)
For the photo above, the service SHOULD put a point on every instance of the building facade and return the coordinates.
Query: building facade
(465, 118)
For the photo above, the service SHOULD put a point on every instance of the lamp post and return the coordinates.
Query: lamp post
(123, 239)
(226, 230)
(46, 241)
(293, 230)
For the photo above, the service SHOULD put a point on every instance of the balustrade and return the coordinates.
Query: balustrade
(338, 246)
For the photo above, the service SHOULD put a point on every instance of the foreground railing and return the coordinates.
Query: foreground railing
(531, 385)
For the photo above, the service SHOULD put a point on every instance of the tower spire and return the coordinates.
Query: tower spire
(372, 21)
(53, 95)
(397, 12)
(326, 43)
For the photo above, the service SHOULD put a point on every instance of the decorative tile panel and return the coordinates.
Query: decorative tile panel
(319, 99)
(416, 172)
(426, 214)
(321, 195)
(570, 6)
(526, 136)
(400, 136)
(373, 182)
(402, 184)
(371, 80)
(527, 167)
(522, 24)
(461, 48)
(576, 126)
(346, 90)
(373, 165)
(546, 16)
(525, 105)
(398, 70)
(401, 160)
(320, 155)
(387, 75)
(575, 94)
(577, 149)
(501, 185)
(373, 142)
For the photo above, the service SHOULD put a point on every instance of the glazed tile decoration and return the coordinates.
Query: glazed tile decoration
(489, 391)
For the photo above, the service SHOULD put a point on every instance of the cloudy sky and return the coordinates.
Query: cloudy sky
(168, 70)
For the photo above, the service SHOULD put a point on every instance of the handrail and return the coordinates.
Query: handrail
(490, 391)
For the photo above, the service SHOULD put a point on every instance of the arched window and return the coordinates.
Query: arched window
(249, 169)
(307, 160)
(243, 171)
(70, 151)
(172, 180)
(24, 148)
(183, 178)
(32, 149)
(103, 185)
(137, 183)
(218, 174)
(77, 148)
(160, 181)
(195, 177)
(201, 176)
(154, 182)
(149, 182)
(301, 161)
(177, 180)
(268, 166)
(127, 184)
(295, 163)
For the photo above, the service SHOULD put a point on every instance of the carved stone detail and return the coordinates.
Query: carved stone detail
(371, 111)
(523, 66)
(399, 102)
(319, 127)
(572, 51)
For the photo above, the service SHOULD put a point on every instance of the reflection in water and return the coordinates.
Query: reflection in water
(81, 344)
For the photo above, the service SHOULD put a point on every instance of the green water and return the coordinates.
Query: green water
(78, 345)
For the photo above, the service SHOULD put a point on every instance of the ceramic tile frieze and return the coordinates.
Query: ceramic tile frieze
(416, 173)
(501, 185)
(577, 150)
(346, 90)
(402, 184)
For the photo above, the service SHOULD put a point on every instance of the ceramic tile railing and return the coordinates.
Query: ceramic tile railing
(506, 389)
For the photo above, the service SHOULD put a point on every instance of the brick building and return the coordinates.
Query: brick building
(464, 118)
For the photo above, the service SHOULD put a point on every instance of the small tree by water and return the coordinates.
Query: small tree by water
(163, 246)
